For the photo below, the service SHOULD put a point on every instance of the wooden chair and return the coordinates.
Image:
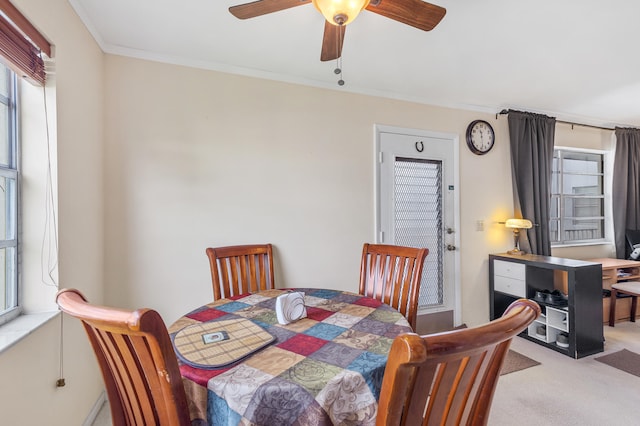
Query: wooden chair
(631, 288)
(449, 378)
(392, 275)
(138, 364)
(241, 269)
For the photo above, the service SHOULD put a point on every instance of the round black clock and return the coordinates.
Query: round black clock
(480, 137)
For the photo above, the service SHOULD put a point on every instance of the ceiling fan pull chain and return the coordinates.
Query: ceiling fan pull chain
(338, 69)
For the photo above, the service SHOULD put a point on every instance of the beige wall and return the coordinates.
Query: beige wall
(198, 158)
(29, 369)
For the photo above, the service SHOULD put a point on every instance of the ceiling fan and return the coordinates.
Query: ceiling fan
(338, 13)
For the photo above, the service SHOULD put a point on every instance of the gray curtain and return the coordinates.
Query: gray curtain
(626, 186)
(532, 138)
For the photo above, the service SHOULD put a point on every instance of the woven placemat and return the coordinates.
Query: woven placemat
(195, 346)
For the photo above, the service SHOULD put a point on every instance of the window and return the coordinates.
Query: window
(577, 197)
(8, 196)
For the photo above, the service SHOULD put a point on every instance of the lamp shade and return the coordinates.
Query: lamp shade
(340, 12)
(518, 223)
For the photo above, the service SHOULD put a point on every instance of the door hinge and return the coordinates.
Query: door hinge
(380, 157)
(381, 236)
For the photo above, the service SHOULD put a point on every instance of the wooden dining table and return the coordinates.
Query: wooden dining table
(325, 369)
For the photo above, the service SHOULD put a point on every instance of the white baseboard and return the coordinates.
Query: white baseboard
(97, 406)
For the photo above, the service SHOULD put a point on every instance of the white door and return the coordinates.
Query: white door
(418, 205)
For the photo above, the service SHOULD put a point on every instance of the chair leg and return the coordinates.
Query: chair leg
(634, 305)
(612, 308)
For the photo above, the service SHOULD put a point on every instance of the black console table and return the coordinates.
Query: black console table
(579, 321)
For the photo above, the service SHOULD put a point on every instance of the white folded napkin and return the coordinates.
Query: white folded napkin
(290, 307)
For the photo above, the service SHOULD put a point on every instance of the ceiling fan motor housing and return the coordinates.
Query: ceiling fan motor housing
(340, 18)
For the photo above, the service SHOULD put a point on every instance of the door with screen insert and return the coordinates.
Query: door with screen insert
(417, 206)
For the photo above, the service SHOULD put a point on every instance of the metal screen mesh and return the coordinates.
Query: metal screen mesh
(418, 219)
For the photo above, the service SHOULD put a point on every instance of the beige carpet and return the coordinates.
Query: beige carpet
(515, 361)
(624, 360)
(563, 391)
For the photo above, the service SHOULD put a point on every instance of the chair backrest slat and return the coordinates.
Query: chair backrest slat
(241, 269)
(118, 356)
(392, 275)
(137, 361)
(449, 378)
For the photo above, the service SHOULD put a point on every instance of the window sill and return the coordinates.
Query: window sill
(590, 243)
(17, 329)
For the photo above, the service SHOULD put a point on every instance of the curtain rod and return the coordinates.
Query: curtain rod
(504, 111)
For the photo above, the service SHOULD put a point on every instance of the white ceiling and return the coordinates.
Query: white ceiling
(576, 60)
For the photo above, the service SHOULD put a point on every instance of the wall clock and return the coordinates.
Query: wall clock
(480, 137)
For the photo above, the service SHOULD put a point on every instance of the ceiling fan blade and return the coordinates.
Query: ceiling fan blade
(419, 14)
(262, 7)
(332, 41)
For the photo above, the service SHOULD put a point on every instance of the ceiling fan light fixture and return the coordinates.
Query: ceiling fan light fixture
(340, 12)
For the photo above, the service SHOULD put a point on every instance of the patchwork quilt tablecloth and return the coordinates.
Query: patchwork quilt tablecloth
(325, 369)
